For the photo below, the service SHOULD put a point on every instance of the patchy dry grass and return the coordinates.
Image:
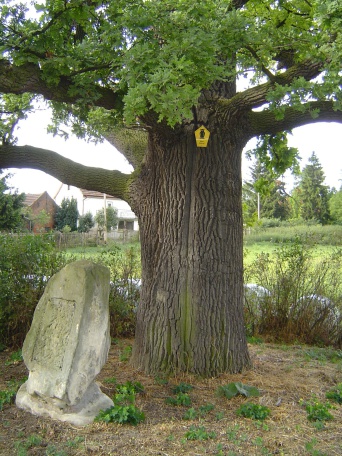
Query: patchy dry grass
(284, 375)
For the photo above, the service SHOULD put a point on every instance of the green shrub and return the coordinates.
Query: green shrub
(199, 433)
(303, 298)
(125, 271)
(317, 411)
(26, 263)
(182, 388)
(7, 396)
(180, 399)
(124, 410)
(253, 411)
(335, 394)
(233, 389)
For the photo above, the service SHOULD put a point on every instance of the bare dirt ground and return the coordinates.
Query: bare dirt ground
(284, 375)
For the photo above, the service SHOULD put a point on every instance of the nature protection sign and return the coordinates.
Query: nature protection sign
(202, 136)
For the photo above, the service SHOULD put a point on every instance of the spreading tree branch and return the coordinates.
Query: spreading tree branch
(29, 78)
(265, 122)
(113, 183)
(257, 96)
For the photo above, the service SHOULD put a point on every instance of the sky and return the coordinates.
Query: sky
(322, 138)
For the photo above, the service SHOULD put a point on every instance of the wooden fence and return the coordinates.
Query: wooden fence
(75, 239)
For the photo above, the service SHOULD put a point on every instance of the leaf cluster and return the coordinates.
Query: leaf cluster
(317, 411)
(253, 411)
(180, 399)
(235, 388)
(160, 56)
(335, 394)
(199, 433)
(124, 410)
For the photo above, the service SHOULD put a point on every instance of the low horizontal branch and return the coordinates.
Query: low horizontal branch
(112, 182)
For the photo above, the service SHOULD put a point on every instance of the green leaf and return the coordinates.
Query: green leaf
(232, 389)
(248, 391)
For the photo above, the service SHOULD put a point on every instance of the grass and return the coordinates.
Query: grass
(93, 252)
(323, 235)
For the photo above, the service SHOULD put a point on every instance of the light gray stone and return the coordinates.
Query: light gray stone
(67, 346)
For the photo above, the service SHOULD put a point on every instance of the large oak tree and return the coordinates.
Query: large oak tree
(145, 74)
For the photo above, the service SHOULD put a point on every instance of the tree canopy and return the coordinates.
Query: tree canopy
(106, 64)
(67, 214)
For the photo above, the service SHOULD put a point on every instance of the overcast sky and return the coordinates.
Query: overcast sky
(323, 138)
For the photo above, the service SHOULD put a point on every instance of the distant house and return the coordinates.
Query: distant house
(36, 220)
(91, 201)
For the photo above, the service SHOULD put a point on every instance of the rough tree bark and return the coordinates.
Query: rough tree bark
(190, 317)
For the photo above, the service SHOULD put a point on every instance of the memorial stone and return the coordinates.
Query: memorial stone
(67, 346)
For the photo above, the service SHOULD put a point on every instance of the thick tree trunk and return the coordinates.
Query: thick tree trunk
(191, 313)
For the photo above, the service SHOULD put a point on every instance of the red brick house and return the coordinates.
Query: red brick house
(35, 205)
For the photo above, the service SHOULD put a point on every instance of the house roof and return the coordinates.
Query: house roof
(93, 194)
(30, 198)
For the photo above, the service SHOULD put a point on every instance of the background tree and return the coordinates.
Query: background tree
(67, 214)
(314, 195)
(270, 191)
(38, 220)
(146, 75)
(111, 220)
(11, 205)
(335, 207)
(86, 222)
(276, 203)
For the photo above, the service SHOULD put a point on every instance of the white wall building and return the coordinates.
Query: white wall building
(90, 201)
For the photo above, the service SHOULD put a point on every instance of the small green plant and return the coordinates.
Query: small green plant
(74, 443)
(161, 380)
(15, 358)
(121, 414)
(130, 388)
(259, 443)
(180, 399)
(232, 389)
(219, 449)
(23, 445)
(6, 397)
(126, 353)
(310, 448)
(253, 411)
(204, 409)
(124, 410)
(199, 433)
(234, 435)
(190, 414)
(182, 388)
(52, 450)
(110, 380)
(335, 394)
(317, 411)
(219, 416)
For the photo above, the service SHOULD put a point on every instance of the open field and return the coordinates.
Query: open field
(284, 375)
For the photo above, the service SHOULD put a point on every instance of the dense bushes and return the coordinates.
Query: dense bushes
(26, 262)
(297, 296)
(303, 297)
(125, 273)
(286, 231)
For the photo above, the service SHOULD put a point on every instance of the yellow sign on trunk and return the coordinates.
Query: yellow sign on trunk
(202, 136)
